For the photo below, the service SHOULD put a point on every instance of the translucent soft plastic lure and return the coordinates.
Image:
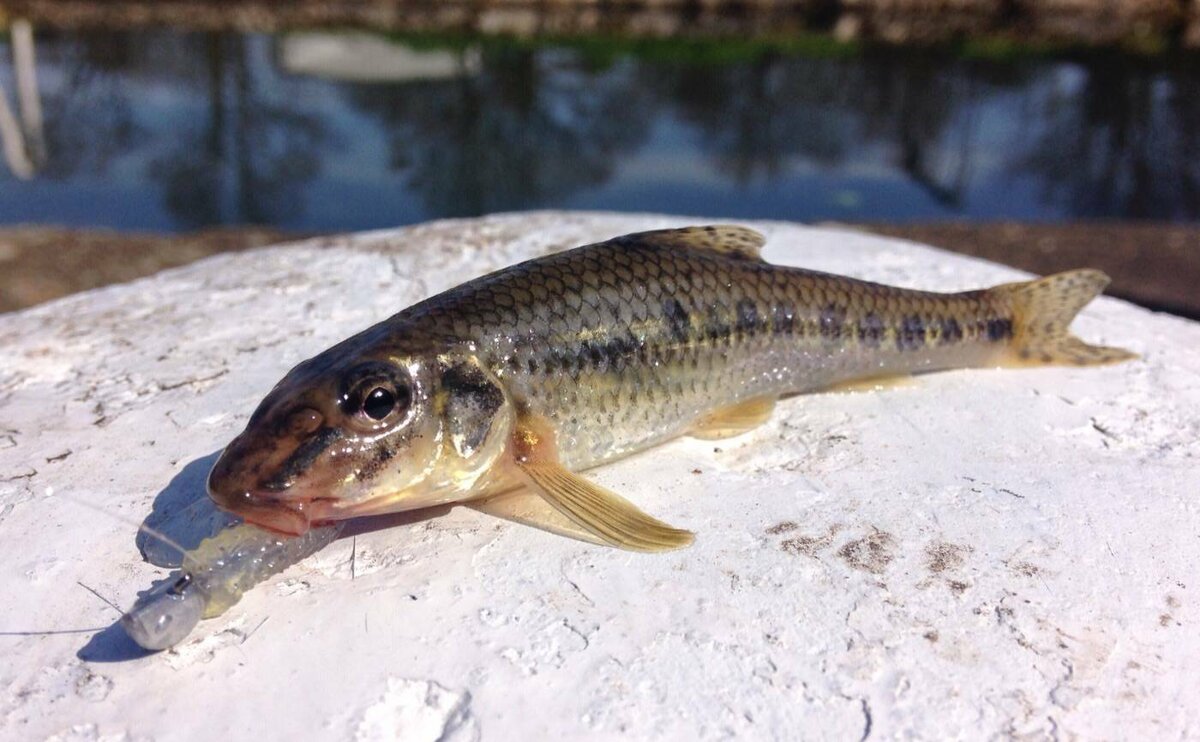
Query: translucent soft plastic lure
(213, 578)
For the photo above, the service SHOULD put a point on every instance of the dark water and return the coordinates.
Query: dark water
(171, 131)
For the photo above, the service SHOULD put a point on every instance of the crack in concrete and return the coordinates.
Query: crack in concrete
(190, 382)
(570, 627)
(577, 589)
(30, 474)
(868, 720)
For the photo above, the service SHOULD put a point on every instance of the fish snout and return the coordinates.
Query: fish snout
(246, 481)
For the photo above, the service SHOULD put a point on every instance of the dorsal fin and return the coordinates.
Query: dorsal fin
(727, 239)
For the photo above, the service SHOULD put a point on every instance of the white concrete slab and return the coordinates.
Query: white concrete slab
(983, 553)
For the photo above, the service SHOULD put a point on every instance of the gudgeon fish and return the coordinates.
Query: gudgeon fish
(499, 392)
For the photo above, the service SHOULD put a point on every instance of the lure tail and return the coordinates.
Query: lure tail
(1042, 311)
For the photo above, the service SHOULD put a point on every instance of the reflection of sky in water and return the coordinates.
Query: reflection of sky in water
(178, 131)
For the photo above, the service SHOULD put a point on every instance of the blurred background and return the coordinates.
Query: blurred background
(1046, 134)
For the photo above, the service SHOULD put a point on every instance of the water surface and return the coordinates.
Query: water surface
(166, 130)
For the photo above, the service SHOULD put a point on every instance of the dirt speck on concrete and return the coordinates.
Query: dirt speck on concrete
(871, 553)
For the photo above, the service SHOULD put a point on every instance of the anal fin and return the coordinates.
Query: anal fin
(734, 420)
(602, 513)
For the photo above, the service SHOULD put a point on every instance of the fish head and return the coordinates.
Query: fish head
(343, 435)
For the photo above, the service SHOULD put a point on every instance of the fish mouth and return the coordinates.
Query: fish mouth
(288, 515)
(280, 502)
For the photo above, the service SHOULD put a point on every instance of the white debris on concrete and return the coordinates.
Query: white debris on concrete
(981, 553)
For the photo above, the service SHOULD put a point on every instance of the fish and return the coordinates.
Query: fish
(499, 392)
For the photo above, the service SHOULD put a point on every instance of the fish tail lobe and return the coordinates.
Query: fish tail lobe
(1042, 313)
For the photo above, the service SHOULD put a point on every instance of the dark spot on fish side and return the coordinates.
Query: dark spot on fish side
(871, 553)
(677, 320)
(782, 527)
(957, 586)
(999, 329)
(747, 316)
(620, 350)
(981, 328)
(595, 355)
(871, 330)
(912, 333)
(931, 636)
(951, 331)
(716, 328)
(833, 317)
(784, 321)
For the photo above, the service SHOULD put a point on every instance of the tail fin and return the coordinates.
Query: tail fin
(1042, 312)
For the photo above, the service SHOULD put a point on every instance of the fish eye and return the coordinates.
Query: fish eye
(376, 395)
(379, 403)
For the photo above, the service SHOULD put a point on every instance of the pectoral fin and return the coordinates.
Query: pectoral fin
(727, 422)
(529, 508)
(604, 514)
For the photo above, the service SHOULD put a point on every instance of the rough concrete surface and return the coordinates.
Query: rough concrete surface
(980, 553)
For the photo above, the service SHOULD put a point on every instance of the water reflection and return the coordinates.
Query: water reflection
(755, 118)
(248, 160)
(529, 129)
(169, 130)
(758, 118)
(1119, 140)
(24, 142)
